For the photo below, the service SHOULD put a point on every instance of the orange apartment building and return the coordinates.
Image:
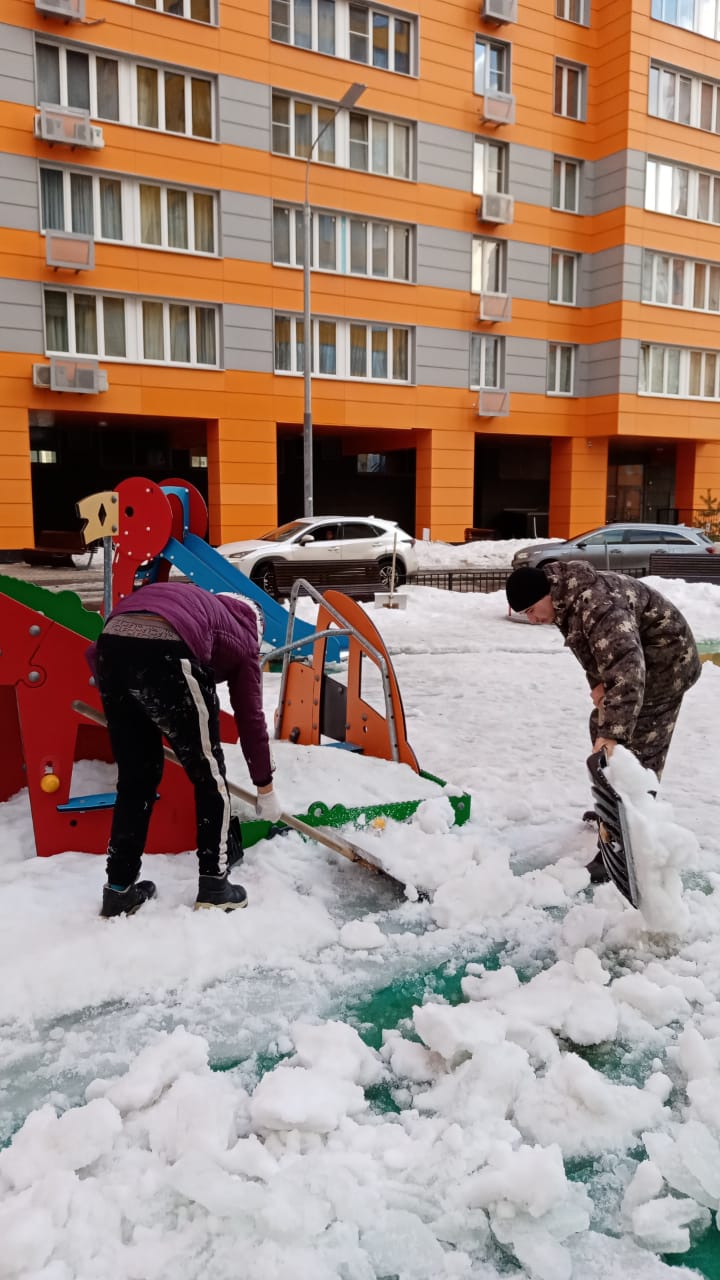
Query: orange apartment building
(515, 258)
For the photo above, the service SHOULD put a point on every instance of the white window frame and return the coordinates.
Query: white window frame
(562, 166)
(393, 16)
(133, 316)
(185, 5)
(662, 273)
(489, 266)
(484, 344)
(563, 80)
(346, 40)
(188, 76)
(577, 11)
(562, 357)
(684, 98)
(291, 27)
(484, 81)
(564, 264)
(342, 348)
(92, 56)
(682, 192)
(130, 210)
(490, 174)
(343, 232)
(676, 372)
(705, 19)
(338, 140)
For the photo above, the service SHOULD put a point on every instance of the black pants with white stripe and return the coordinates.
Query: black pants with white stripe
(152, 689)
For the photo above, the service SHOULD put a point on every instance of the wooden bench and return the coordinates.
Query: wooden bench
(56, 547)
(357, 578)
(690, 566)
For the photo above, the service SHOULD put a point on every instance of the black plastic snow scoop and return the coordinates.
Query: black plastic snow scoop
(613, 833)
(330, 839)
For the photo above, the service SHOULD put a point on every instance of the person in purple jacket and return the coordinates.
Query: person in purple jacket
(157, 661)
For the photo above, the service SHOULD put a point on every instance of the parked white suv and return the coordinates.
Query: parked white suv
(344, 538)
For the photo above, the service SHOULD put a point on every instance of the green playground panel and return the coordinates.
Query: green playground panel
(64, 607)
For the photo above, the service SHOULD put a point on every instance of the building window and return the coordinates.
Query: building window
(128, 211)
(490, 167)
(135, 329)
(309, 24)
(195, 10)
(573, 11)
(489, 266)
(569, 97)
(492, 66)
(380, 39)
(675, 371)
(152, 97)
(700, 16)
(375, 36)
(372, 144)
(682, 192)
(344, 349)
(563, 277)
(345, 244)
(561, 369)
(684, 98)
(566, 185)
(487, 362)
(669, 281)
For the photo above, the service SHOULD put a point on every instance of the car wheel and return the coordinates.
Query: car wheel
(385, 572)
(263, 575)
(544, 563)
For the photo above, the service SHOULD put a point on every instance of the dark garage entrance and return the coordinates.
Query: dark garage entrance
(360, 474)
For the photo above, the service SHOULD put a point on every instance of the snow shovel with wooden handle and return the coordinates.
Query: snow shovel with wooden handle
(320, 835)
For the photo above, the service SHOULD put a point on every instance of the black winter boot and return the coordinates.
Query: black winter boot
(217, 891)
(596, 869)
(125, 902)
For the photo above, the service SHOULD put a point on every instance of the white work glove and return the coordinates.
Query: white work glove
(267, 806)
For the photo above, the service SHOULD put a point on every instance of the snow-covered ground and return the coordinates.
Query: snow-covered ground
(516, 1076)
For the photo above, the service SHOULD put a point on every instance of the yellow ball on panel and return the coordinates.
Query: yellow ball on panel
(49, 783)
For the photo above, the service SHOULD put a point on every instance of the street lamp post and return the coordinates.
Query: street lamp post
(347, 101)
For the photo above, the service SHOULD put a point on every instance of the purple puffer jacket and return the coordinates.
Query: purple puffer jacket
(221, 632)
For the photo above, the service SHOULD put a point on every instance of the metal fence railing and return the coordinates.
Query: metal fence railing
(484, 580)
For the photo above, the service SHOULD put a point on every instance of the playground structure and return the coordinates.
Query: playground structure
(44, 679)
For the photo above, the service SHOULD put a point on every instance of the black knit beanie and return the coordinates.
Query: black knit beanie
(525, 587)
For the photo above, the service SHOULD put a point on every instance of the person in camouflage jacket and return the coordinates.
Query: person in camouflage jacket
(635, 647)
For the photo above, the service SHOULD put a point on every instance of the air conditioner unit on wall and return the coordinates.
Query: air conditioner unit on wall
(495, 307)
(64, 373)
(70, 10)
(67, 125)
(499, 10)
(493, 403)
(498, 108)
(496, 208)
(69, 249)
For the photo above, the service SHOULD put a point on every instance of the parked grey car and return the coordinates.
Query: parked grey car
(618, 546)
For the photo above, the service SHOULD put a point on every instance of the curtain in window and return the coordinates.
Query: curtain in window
(326, 241)
(200, 10)
(326, 145)
(150, 216)
(111, 209)
(174, 6)
(86, 342)
(81, 203)
(56, 320)
(402, 46)
(78, 79)
(177, 219)
(282, 344)
(358, 351)
(358, 141)
(281, 20)
(491, 370)
(281, 125)
(401, 151)
(359, 40)
(713, 302)
(380, 145)
(147, 97)
(303, 128)
(53, 200)
(380, 233)
(300, 345)
(281, 234)
(379, 348)
(114, 326)
(205, 335)
(174, 102)
(48, 73)
(400, 355)
(179, 333)
(153, 339)
(381, 40)
(326, 332)
(475, 359)
(326, 26)
(303, 24)
(201, 100)
(401, 253)
(108, 93)
(204, 210)
(358, 246)
(300, 237)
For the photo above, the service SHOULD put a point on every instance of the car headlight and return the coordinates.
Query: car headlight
(520, 557)
(239, 555)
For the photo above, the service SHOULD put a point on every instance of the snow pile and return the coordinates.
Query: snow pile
(485, 553)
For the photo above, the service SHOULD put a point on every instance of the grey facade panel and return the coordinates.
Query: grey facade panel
(17, 68)
(19, 199)
(608, 368)
(21, 316)
(528, 271)
(617, 180)
(244, 113)
(444, 258)
(531, 172)
(442, 357)
(248, 338)
(246, 222)
(444, 157)
(611, 276)
(525, 365)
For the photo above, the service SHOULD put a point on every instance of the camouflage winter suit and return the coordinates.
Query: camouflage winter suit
(633, 641)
